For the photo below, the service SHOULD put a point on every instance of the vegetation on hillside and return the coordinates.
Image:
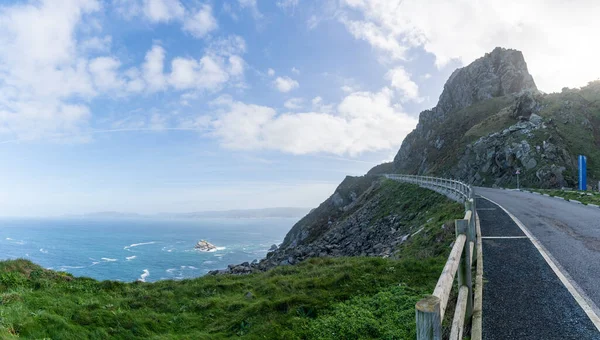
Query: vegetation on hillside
(321, 298)
(575, 115)
(584, 197)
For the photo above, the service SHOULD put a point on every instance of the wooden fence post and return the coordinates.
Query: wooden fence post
(429, 321)
(464, 268)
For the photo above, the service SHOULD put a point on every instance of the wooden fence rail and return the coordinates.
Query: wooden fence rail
(430, 311)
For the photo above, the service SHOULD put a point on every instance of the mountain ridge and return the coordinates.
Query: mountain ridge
(490, 121)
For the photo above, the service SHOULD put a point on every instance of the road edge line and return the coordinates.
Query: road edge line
(585, 303)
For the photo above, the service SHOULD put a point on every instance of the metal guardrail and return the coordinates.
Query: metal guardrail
(462, 191)
(430, 310)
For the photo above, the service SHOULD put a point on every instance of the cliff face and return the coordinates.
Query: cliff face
(491, 121)
(366, 216)
(499, 73)
(491, 80)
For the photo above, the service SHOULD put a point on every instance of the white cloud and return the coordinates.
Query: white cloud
(402, 82)
(293, 103)
(96, 44)
(201, 23)
(210, 72)
(313, 22)
(362, 122)
(197, 21)
(295, 70)
(271, 72)
(163, 10)
(127, 9)
(285, 84)
(227, 46)
(558, 33)
(104, 71)
(236, 65)
(50, 71)
(153, 68)
(229, 10)
(347, 89)
(252, 6)
(287, 4)
(43, 74)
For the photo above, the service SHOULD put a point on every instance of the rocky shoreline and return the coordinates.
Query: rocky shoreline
(346, 224)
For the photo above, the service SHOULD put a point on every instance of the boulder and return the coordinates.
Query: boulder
(204, 245)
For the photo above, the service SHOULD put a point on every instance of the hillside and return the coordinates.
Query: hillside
(320, 298)
(491, 120)
(354, 266)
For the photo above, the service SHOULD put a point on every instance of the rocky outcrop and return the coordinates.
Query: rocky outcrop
(355, 221)
(491, 121)
(501, 73)
(526, 146)
(204, 245)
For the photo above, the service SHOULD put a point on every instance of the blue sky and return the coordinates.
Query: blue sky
(172, 106)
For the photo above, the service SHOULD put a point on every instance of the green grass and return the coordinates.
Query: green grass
(585, 197)
(321, 298)
(318, 297)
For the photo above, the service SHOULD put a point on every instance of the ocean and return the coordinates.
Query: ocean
(139, 249)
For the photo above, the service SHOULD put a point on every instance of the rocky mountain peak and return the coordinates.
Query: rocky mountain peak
(472, 94)
(498, 73)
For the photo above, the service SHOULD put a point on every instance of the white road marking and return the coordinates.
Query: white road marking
(584, 302)
(502, 237)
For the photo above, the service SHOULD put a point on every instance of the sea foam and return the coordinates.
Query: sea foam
(144, 275)
(138, 244)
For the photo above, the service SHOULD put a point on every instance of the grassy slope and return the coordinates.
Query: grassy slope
(585, 197)
(576, 116)
(324, 298)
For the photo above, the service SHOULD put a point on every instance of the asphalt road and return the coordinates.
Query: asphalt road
(570, 233)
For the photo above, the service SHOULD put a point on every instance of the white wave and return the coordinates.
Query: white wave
(15, 242)
(72, 267)
(95, 263)
(106, 259)
(129, 258)
(144, 275)
(171, 270)
(42, 250)
(138, 244)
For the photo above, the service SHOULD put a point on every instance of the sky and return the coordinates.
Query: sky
(154, 106)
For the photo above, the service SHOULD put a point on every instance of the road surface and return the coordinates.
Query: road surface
(523, 296)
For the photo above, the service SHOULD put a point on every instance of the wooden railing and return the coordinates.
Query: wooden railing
(430, 311)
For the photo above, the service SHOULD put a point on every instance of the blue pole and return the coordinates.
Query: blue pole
(582, 173)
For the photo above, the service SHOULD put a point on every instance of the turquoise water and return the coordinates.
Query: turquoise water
(129, 250)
